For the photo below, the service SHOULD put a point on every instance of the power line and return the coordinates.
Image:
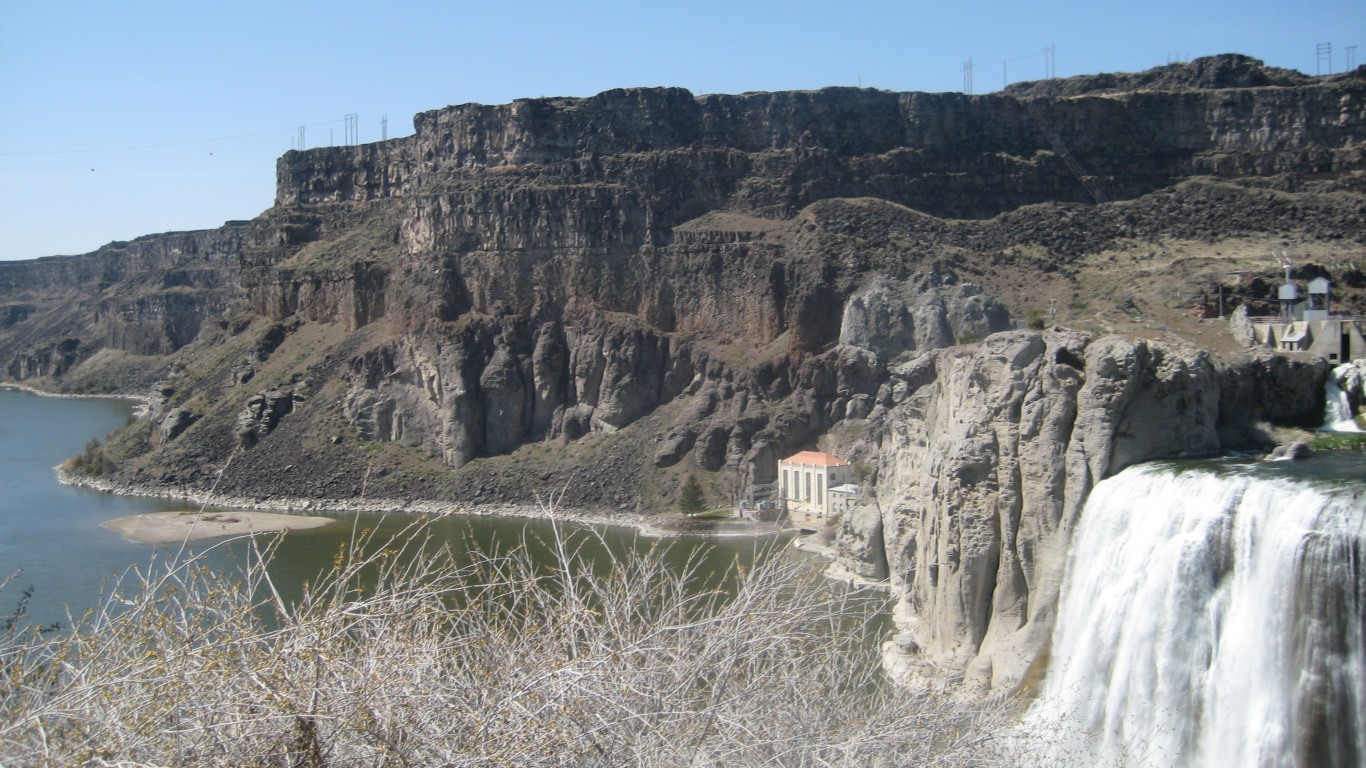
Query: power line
(141, 146)
(1059, 148)
(1049, 67)
(164, 144)
(352, 129)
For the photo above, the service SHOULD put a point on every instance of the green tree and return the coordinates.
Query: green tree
(692, 500)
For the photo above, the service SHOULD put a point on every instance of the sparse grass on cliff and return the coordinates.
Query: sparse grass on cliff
(401, 656)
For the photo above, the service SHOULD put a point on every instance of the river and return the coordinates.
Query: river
(51, 538)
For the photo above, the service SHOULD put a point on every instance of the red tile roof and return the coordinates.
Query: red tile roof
(815, 459)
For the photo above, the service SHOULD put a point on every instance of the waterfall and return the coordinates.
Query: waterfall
(1210, 617)
(1337, 408)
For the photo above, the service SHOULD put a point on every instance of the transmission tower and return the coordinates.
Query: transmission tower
(967, 77)
(1351, 58)
(301, 138)
(1324, 54)
(383, 127)
(1049, 72)
(352, 129)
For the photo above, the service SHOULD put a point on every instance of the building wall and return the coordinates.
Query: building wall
(1325, 338)
(806, 487)
(841, 503)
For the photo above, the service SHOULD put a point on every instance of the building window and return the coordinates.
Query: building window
(820, 492)
(808, 486)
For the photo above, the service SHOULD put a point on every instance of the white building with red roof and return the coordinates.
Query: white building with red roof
(805, 480)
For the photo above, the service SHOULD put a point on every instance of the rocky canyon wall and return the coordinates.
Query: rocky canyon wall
(148, 296)
(986, 457)
(722, 280)
(948, 155)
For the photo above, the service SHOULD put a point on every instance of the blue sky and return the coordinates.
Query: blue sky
(124, 119)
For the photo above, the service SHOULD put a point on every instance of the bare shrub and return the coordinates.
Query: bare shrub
(399, 655)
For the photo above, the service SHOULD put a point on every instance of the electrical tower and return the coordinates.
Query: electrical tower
(383, 127)
(1351, 58)
(1049, 72)
(352, 129)
(1324, 54)
(301, 138)
(967, 77)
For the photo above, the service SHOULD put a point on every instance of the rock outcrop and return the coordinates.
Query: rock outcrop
(1351, 378)
(263, 413)
(987, 456)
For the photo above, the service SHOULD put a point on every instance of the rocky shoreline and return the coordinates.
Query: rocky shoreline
(650, 525)
(142, 403)
(654, 526)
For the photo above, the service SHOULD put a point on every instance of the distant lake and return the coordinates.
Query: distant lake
(51, 533)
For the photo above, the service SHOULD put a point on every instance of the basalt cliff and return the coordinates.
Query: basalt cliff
(988, 303)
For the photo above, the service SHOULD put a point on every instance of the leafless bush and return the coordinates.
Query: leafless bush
(400, 655)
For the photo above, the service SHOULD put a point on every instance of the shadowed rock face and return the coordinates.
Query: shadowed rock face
(719, 281)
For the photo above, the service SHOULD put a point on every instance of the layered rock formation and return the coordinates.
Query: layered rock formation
(150, 296)
(623, 289)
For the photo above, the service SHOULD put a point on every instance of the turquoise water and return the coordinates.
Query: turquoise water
(50, 534)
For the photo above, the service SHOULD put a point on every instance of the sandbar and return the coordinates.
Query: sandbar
(169, 527)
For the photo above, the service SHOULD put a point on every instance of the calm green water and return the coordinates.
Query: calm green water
(51, 536)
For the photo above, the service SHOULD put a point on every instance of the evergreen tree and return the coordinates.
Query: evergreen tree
(692, 500)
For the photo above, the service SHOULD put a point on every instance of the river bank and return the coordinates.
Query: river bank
(192, 525)
(653, 525)
(53, 539)
(141, 403)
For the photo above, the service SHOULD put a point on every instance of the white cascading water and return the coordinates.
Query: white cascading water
(1337, 409)
(1210, 618)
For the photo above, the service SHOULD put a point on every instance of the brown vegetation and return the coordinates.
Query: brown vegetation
(401, 656)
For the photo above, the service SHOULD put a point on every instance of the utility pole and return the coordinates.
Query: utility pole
(301, 138)
(1351, 58)
(352, 129)
(1324, 55)
(1048, 70)
(967, 77)
(383, 127)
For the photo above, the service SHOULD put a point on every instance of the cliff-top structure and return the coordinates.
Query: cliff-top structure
(618, 290)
